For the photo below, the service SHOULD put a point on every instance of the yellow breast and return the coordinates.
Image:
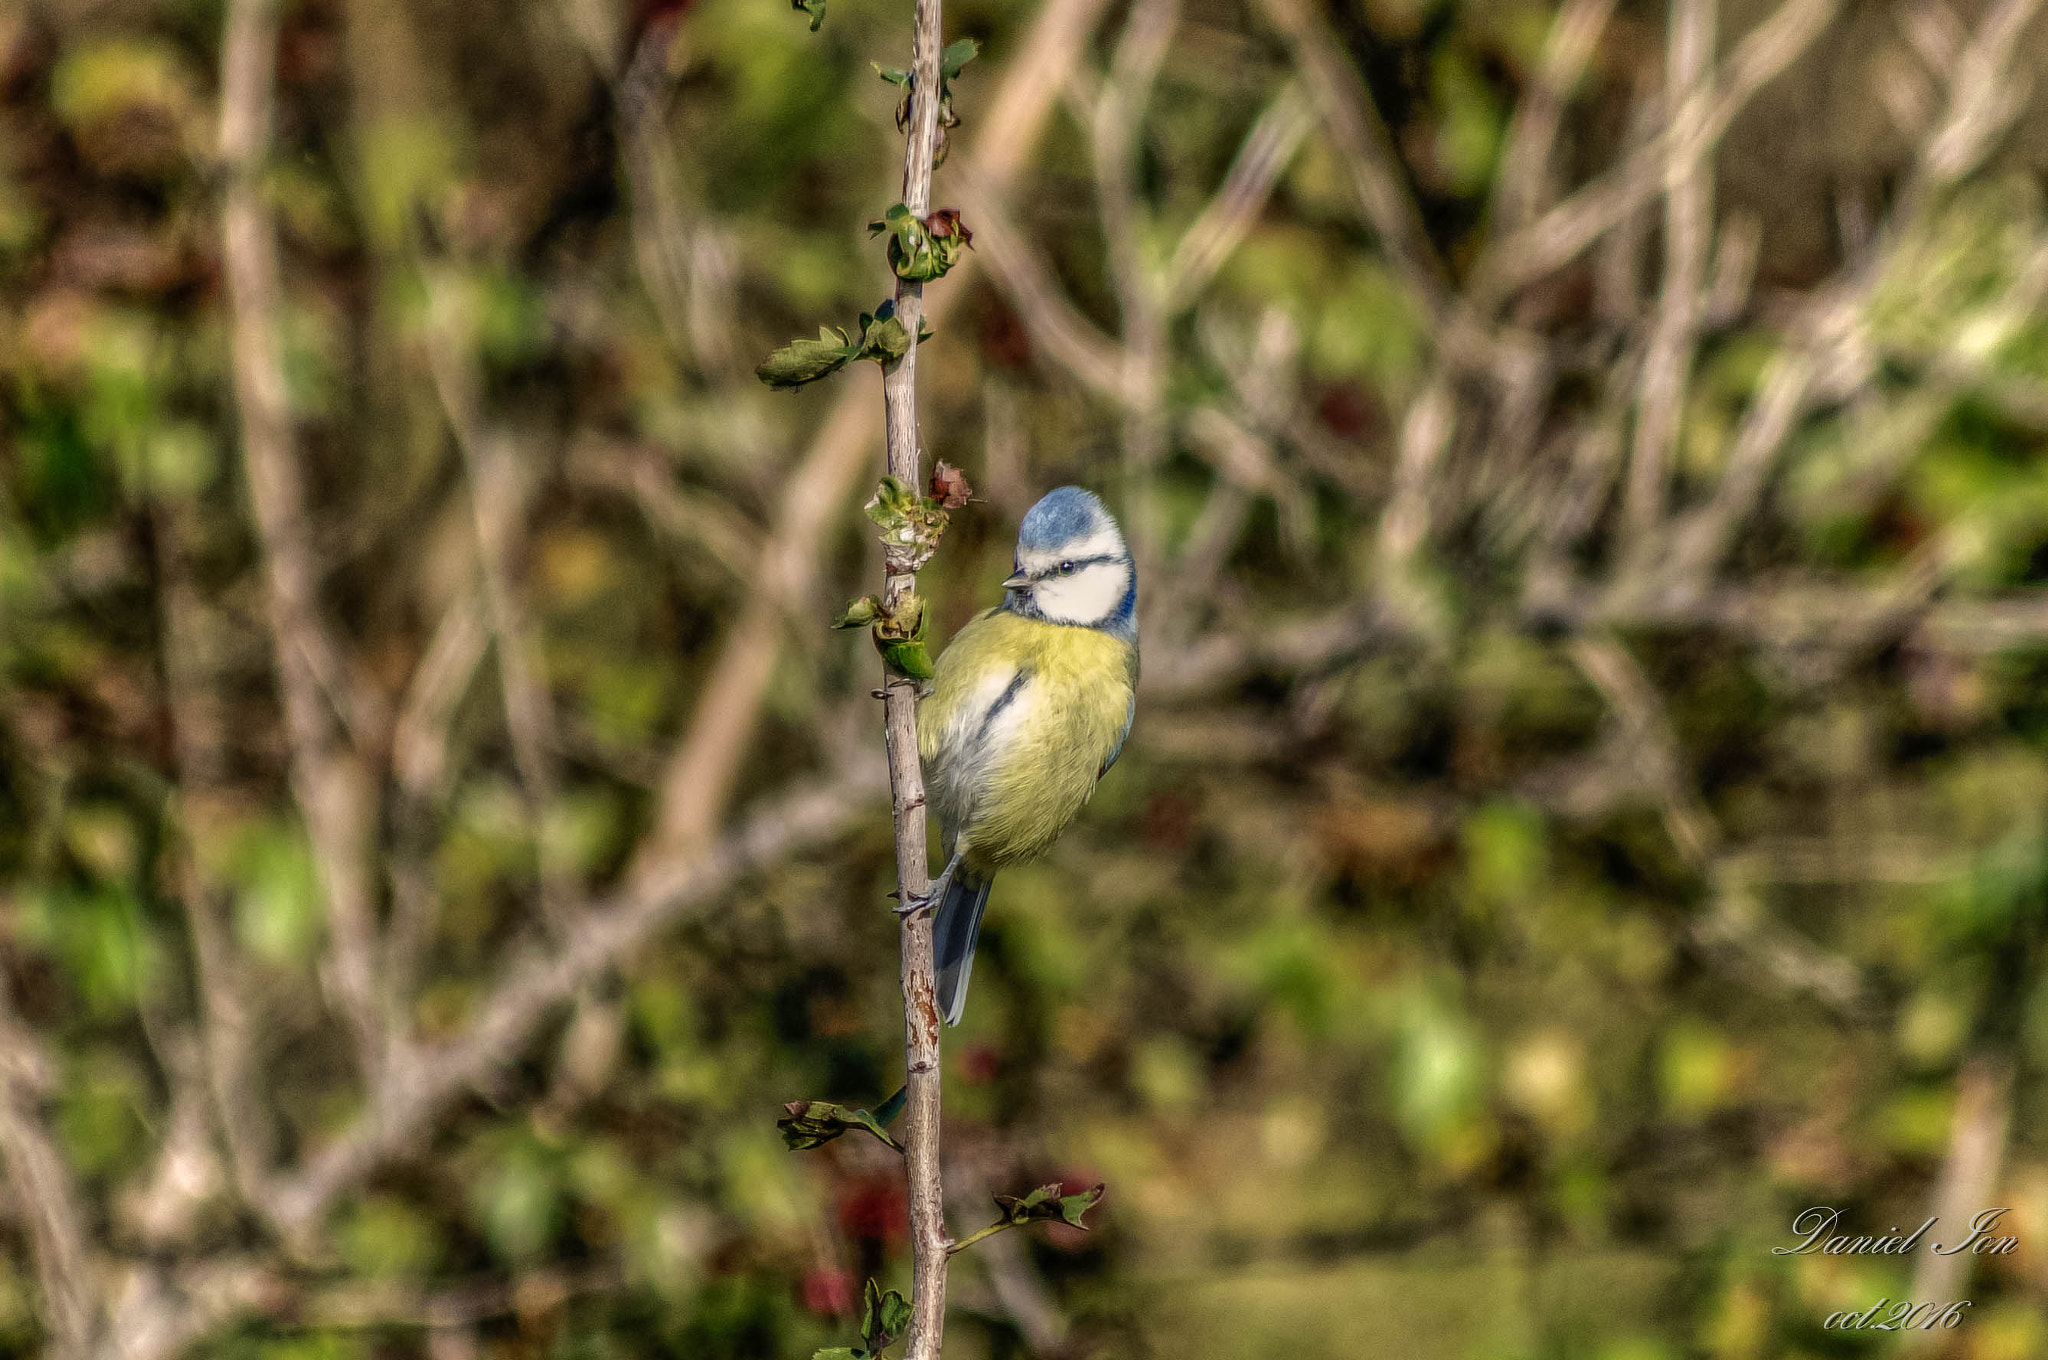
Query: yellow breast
(1021, 717)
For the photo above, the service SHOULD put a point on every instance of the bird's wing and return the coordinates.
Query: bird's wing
(1130, 712)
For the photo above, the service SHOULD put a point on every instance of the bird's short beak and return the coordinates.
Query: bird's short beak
(1017, 581)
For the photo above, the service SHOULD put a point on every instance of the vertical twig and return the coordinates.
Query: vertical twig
(228, 1017)
(1116, 132)
(497, 501)
(44, 1189)
(928, 1240)
(1688, 232)
(1969, 1179)
(334, 793)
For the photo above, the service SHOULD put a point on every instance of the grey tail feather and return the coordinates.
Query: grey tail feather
(953, 934)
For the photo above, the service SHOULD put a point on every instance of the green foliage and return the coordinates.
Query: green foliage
(922, 248)
(814, 1123)
(882, 338)
(1047, 1205)
(953, 59)
(883, 1317)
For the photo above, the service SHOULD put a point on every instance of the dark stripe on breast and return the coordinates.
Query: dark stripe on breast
(1002, 702)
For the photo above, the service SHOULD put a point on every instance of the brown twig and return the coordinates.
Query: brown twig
(1522, 185)
(921, 1061)
(1688, 233)
(406, 1105)
(335, 794)
(1116, 130)
(1559, 235)
(497, 502)
(45, 1190)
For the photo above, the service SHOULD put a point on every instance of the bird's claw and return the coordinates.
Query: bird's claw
(914, 905)
(933, 895)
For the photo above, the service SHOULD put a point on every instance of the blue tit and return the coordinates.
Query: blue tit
(1028, 708)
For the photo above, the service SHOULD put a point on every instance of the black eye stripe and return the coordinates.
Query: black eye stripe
(1080, 562)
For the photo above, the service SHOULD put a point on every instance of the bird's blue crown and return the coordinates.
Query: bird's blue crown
(1061, 516)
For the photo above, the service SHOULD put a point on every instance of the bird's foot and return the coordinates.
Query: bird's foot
(932, 895)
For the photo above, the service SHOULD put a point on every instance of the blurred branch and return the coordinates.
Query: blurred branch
(497, 494)
(227, 1020)
(1559, 235)
(1234, 209)
(1050, 318)
(1688, 232)
(1523, 183)
(1968, 1184)
(45, 1190)
(1731, 924)
(1019, 1292)
(1831, 339)
(334, 793)
(422, 771)
(1366, 150)
(687, 518)
(1116, 130)
(403, 1108)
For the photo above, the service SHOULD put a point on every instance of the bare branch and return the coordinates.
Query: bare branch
(1360, 138)
(497, 501)
(405, 1106)
(1054, 324)
(1116, 127)
(905, 462)
(44, 1187)
(1234, 209)
(1969, 1178)
(227, 1023)
(1523, 183)
(334, 793)
(1688, 232)
(1557, 237)
(1733, 922)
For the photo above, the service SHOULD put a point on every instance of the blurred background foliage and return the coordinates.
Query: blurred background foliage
(1496, 985)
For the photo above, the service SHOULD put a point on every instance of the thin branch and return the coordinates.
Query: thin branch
(497, 502)
(1404, 523)
(905, 462)
(333, 791)
(1733, 921)
(1116, 130)
(1558, 236)
(1523, 183)
(227, 1021)
(1366, 150)
(404, 1108)
(1019, 1293)
(1969, 1180)
(1832, 340)
(44, 1187)
(1688, 233)
(1050, 318)
(1234, 209)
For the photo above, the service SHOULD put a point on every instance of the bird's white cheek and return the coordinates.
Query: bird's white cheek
(1090, 595)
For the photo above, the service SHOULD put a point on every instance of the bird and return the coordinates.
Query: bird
(1027, 709)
